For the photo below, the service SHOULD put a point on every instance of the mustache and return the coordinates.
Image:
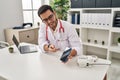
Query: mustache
(53, 22)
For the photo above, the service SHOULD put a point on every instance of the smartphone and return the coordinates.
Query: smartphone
(64, 57)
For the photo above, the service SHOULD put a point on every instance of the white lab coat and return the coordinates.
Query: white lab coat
(61, 40)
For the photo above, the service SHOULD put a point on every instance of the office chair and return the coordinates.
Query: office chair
(3, 44)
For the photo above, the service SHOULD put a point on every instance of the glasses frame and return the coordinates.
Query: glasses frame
(50, 17)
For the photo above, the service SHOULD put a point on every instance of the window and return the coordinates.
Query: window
(30, 8)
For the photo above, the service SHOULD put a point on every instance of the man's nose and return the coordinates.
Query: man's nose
(49, 20)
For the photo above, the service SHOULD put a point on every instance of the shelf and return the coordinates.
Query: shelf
(95, 27)
(115, 9)
(76, 25)
(115, 29)
(115, 48)
(25, 29)
(96, 8)
(95, 45)
(74, 9)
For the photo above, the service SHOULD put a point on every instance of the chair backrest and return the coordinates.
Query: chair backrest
(3, 44)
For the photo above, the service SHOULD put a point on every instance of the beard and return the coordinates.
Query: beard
(53, 24)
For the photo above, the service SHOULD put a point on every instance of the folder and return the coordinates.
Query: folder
(73, 18)
(108, 21)
(78, 18)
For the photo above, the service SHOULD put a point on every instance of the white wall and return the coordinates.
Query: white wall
(10, 15)
(45, 1)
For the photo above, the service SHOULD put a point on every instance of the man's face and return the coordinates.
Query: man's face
(49, 18)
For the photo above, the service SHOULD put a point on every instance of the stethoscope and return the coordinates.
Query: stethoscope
(61, 29)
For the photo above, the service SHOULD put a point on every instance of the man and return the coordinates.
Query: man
(56, 34)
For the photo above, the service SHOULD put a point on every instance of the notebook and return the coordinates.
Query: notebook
(25, 48)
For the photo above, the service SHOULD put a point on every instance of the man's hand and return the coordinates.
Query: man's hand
(50, 48)
(72, 54)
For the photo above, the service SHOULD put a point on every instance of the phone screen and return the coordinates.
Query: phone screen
(64, 57)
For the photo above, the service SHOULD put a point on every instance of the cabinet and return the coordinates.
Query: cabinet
(88, 3)
(115, 3)
(29, 35)
(76, 3)
(103, 3)
(96, 30)
(95, 3)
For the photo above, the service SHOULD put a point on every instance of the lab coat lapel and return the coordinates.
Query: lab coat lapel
(50, 35)
(56, 36)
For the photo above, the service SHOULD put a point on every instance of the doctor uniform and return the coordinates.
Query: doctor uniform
(64, 36)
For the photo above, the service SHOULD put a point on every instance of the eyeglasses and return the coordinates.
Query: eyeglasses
(49, 18)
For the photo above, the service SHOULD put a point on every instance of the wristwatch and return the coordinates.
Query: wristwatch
(48, 45)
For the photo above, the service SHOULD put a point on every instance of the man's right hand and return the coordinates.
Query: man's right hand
(50, 48)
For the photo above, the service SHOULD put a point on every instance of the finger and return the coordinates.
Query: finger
(52, 46)
(69, 57)
(52, 50)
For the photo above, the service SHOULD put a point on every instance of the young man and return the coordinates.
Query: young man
(56, 34)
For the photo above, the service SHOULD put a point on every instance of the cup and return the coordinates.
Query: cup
(11, 49)
(103, 42)
(88, 40)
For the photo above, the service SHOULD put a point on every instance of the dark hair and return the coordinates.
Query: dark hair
(43, 9)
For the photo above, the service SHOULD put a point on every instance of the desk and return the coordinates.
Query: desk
(39, 66)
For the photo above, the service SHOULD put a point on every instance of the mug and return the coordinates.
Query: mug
(11, 49)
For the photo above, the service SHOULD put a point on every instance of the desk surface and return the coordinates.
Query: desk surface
(40, 66)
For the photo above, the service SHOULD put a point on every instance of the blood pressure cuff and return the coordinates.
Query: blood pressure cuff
(64, 57)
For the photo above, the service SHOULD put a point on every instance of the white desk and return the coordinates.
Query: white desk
(39, 66)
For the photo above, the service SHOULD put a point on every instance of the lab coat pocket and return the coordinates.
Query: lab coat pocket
(63, 43)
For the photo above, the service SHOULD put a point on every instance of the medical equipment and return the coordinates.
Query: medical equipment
(65, 55)
(86, 61)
